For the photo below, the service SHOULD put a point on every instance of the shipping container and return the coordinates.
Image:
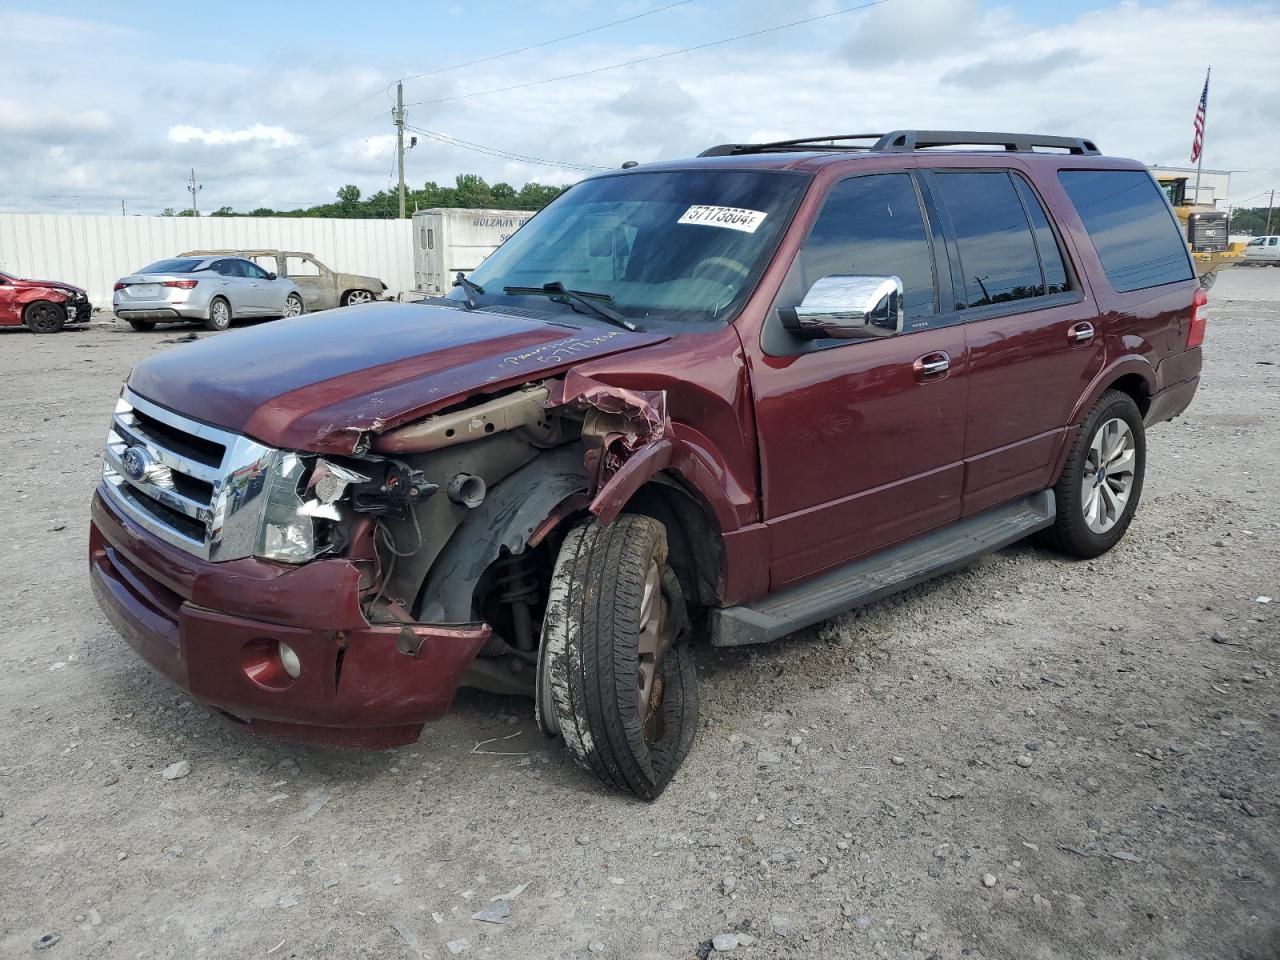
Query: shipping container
(446, 241)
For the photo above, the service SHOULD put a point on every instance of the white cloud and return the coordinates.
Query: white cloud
(257, 133)
(128, 123)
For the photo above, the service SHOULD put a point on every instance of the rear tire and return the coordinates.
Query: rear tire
(1101, 483)
(612, 592)
(142, 326)
(354, 298)
(44, 316)
(219, 315)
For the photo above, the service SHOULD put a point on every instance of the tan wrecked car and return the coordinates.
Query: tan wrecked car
(321, 288)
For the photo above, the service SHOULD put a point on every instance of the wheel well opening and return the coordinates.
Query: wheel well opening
(695, 549)
(1136, 387)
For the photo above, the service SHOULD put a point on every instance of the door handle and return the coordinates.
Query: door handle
(1081, 333)
(932, 366)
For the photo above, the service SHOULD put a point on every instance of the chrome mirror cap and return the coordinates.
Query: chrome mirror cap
(849, 307)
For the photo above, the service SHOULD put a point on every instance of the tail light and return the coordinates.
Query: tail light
(119, 286)
(1195, 333)
(181, 284)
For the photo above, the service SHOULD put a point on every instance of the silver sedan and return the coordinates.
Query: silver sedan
(212, 290)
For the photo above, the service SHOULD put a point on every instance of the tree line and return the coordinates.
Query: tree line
(1253, 220)
(469, 190)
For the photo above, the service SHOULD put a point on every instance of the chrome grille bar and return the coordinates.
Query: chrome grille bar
(151, 473)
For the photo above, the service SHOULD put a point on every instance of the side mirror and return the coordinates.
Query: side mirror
(270, 275)
(847, 308)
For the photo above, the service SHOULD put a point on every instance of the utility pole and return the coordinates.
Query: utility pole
(193, 188)
(1270, 203)
(398, 114)
(122, 213)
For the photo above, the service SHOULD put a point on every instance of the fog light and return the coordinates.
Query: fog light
(289, 660)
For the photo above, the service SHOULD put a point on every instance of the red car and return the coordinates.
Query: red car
(706, 401)
(42, 306)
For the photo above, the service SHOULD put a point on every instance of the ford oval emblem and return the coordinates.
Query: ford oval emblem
(136, 462)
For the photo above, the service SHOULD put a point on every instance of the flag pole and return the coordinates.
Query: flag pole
(1204, 126)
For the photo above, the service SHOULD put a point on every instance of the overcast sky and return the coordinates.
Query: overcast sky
(101, 101)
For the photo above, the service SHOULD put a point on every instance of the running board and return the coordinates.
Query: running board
(882, 574)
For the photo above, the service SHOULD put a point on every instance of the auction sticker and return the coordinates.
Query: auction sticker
(732, 218)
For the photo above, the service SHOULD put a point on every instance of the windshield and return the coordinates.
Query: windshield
(680, 245)
(174, 266)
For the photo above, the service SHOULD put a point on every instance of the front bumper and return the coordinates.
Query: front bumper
(362, 685)
(78, 308)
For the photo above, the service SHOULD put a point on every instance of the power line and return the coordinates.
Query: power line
(470, 63)
(448, 140)
(659, 56)
(291, 156)
(547, 43)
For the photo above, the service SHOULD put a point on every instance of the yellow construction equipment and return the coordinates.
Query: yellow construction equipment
(1206, 228)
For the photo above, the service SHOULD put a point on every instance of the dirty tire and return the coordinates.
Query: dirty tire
(354, 298)
(219, 315)
(590, 659)
(1070, 533)
(42, 316)
(143, 326)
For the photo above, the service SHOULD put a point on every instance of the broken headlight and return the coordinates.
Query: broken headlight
(287, 534)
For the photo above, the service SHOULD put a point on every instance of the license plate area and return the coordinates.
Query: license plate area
(145, 290)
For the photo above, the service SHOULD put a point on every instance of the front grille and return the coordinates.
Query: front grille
(194, 485)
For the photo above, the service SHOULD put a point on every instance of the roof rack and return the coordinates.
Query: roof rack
(904, 141)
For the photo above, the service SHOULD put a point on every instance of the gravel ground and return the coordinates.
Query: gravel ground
(1033, 758)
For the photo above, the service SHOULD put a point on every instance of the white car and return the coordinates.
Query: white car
(1262, 251)
(211, 289)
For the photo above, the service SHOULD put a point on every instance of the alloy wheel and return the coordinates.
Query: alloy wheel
(1108, 475)
(292, 307)
(358, 296)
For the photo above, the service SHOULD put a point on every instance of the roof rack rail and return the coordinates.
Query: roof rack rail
(792, 146)
(905, 141)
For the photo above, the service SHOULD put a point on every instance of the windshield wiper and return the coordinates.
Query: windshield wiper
(470, 288)
(555, 289)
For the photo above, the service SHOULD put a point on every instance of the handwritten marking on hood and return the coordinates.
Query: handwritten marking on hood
(561, 351)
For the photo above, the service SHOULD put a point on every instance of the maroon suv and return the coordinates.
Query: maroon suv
(706, 401)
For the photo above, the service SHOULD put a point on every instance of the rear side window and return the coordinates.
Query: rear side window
(872, 226)
(997, 248)
(1131, 226)
(1055, 273)
(300, 267)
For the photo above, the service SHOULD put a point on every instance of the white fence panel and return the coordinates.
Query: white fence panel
(94, 251)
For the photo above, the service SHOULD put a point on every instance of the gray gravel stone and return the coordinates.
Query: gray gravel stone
(176, 771)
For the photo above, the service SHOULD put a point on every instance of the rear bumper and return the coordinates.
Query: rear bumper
(1177, 378)
(361, 685)
(171, 312)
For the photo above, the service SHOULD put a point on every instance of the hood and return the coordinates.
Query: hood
(49, 284)
(316, 382)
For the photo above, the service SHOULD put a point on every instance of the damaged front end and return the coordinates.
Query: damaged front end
(453, 519)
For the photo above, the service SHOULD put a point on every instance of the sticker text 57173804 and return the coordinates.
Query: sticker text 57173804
(731, 218)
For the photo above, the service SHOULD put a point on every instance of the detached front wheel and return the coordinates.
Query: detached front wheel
(615, 676)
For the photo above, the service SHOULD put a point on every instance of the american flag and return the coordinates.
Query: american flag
(1198, 142)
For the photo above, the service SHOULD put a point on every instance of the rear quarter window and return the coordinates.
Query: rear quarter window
(1132, 228)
